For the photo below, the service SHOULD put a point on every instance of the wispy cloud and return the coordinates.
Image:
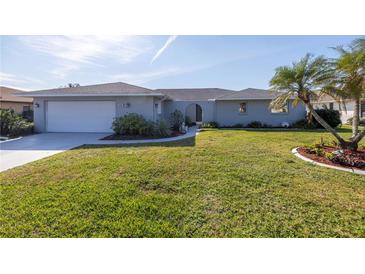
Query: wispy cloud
(74, 52)
(171, 39)
(147, 76)
(13, 81)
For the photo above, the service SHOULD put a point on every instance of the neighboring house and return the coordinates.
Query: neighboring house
(346, 112)
(9, 101)
(92, 108)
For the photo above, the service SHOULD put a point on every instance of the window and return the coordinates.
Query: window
(280, 110)
(26, 108)
(158, 108)
(331, 106)
(243, 107)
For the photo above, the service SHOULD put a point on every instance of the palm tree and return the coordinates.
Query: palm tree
(304, 82)
(349, 77)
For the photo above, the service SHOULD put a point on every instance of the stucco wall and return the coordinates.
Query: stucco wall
(16, 106)
(345, 114)
(143, 105)
(227, 113)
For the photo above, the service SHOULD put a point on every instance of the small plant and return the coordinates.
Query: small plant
(329, 155)
(316, 148)
(255, 124)
(176, 120)
(211, 124)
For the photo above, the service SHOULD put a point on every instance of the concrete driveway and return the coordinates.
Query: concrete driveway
(31, 148)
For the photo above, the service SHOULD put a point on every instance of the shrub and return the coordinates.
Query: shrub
(28, 115)
(13, 124)
(361, 121)
(255, 124)
(238, 125)
(211, 124)
(188, 121)
(332, 117)
(132, 124)
(176, 120)
(161, 128)
(21, 127)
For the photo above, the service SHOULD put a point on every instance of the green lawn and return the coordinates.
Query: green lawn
(228, 183)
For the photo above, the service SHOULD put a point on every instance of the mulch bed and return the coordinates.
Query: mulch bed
(348, 159)
(139, 137)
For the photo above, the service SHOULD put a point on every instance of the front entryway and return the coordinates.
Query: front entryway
(194, 112)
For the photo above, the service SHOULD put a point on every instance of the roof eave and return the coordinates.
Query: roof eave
(90, 95)
(233, 99)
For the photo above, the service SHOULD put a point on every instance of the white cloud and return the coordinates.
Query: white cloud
(171, 39)
(73, 52)
(13, 81)
(7, 77)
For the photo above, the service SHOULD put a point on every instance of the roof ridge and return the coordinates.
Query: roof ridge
(224, 95)
(193, 89)
(93, 85)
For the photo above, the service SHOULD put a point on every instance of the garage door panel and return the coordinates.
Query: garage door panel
(80, 116)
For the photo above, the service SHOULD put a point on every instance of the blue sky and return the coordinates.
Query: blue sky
(232, 62)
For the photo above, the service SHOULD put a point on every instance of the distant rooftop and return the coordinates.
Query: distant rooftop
(8, 95)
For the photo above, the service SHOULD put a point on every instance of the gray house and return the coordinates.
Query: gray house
(92, 108)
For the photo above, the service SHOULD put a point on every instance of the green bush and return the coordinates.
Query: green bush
(28, 115)
(13, 124)
(255, 124)
(332, 117)
(161, 128)
(176, 120)
(132, 124)
(211, 124)
(188, 121)
(238, 125)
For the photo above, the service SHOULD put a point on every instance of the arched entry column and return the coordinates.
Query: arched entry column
(194, 112)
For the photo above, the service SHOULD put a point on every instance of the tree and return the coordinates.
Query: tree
(348, 80)
(71, 85)
(304, 82)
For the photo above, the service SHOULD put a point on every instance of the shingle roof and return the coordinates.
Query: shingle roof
(109, 89)
(7, 95)
(250, 94)
(185, 94)
(194, 94)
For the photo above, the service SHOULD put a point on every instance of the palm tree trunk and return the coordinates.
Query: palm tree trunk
(324, 124)
(355, 119)
(356, 140)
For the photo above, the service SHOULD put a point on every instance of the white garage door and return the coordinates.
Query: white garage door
(80, 116)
